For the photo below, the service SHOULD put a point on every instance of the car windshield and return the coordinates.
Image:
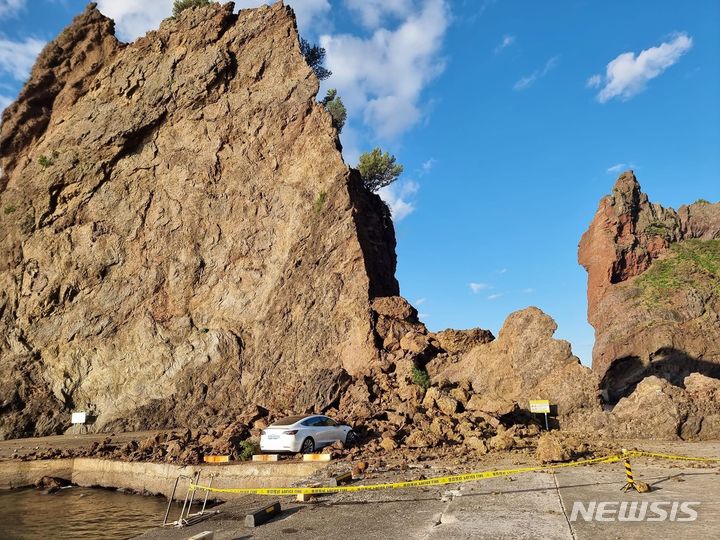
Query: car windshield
(288, 421)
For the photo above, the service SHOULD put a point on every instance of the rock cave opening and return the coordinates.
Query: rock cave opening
(667, 363)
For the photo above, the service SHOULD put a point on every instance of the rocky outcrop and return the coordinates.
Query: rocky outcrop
(525, 362)
(653, 289)
(180, 237)
(657, 409)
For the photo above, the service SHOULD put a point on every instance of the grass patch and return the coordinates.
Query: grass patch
(320, 202)
(420, 377)
(9, 209)
(689, 264)
(46, 162)
(248, 448)
(657, 229)
(702, 201)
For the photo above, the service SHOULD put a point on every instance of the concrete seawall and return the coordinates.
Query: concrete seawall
(155, 478)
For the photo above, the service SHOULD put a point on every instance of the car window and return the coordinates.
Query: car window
(329, 422)
(312, 422)
(288, 421)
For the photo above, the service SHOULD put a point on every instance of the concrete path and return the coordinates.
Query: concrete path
(536, 505)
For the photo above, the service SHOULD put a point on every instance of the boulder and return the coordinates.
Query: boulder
(418, 439)
(525, 362)
(552, 449)
(476, 444)
(460, 341)
(502, 442)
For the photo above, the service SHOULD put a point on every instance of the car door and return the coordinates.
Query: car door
(329, 430)
(318, 430)
(334, 431)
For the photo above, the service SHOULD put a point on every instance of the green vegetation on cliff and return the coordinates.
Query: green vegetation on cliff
(689, 264)
(181, 5)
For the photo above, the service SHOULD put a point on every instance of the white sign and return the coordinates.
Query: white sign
(78, 417)
(539, 406)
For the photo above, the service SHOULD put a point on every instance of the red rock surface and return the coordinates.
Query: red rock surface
(653, 288)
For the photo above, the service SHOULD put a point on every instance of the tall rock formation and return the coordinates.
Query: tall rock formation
(525, 362)
(653, 289)
(180, 238)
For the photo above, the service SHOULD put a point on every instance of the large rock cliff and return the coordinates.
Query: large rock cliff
(181, 239)
(653, 289)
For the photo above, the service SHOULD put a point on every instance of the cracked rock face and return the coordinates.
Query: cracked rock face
(179, 236)
(653, 289)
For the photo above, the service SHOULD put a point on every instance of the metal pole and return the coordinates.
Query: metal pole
(192, 496)
(207, 492)
(167, 512)
(182, 512)
(547, 427)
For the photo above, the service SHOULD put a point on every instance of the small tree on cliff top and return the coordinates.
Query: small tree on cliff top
(336, 108)
(181, 5)
(315, 57)
(378, 170)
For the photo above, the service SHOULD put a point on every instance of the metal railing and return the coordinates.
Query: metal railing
(186, 517)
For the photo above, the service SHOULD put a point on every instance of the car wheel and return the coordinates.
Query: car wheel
(308, 446)
(351, 438)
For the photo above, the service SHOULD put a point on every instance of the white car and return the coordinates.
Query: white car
(304, 434)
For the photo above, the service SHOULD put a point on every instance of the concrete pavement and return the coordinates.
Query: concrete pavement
(534, 505)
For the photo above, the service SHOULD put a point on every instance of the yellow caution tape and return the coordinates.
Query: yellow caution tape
(455, 479)
(668, 456)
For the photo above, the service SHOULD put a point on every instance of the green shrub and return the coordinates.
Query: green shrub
(248, 448)
(181, 5)
(657, 229)
(334, 105)
(420, 377)
(9, 209)
(320, 202)
(45, 161)
(378, 170)
(702, 201)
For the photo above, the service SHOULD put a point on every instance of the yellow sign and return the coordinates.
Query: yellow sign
(539, 406)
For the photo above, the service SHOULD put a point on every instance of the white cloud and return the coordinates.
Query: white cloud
(529, 80)
(505, 43)
(381, 77)
(307, 12)
(427, 166)
(398, 197)
(529, 290)
(503, 271)
(9, 8)
(374, 12)
(594, 82)
(494, 296)
(477, 287)
(628, 75)
(420, 301)
(134, 18)
(17, 57)
(615, 168)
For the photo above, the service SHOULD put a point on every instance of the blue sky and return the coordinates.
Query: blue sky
(512, 119)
